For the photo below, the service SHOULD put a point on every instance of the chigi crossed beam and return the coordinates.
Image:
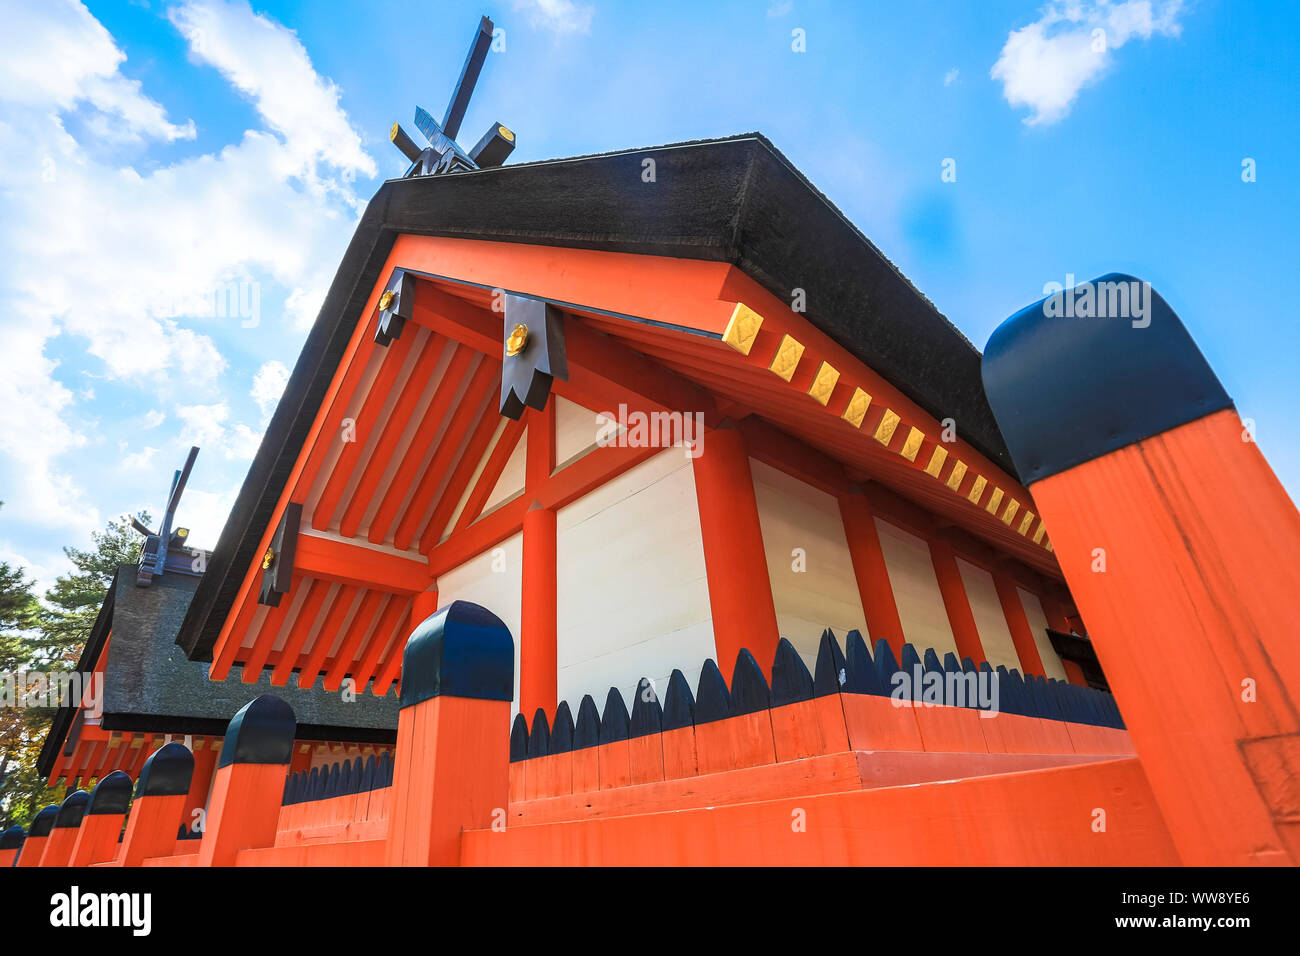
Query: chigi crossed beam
(443, 155)
(533, 353)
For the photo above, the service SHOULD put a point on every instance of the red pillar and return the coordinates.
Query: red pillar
(205, 765)
(1022, 635)
(960, 617)
(740, 591)
(97, 839)
(249, 785)
(1074, 673)
(883, 622)
(451, 767)
(159, 804)
(538, 656)
(1130, 444)
(423, 605)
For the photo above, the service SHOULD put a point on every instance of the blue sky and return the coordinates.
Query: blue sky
(156, 157)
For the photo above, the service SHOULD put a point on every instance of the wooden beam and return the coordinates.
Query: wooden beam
(335, 560)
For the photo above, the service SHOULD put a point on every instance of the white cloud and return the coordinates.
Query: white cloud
(124, 261)
(28, 77)
(1044, 65)
(562, 16)
(206, 426)
(950, 77)
(269, 64)
(268, 386)
(137, 460)
(204, 513)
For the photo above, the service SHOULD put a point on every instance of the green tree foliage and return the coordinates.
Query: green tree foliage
(49, 637)
(72, 605)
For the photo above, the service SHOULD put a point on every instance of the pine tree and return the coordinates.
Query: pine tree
(73, 603)
(50, 638)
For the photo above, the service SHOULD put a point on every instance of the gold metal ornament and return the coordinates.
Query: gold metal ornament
(386, 300)
(268, 559)
(518, 340)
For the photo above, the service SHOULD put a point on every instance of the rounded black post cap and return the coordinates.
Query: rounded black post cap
(167, 772)
(72, 810)
(12, 838)
(43, 822)
(111, 795)
(462, 650)
(1067, 384)
(261, 733)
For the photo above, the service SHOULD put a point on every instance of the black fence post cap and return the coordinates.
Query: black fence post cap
(462, 650)
(1067, 387)
(167, 772)
(111, 795)
(261, 733)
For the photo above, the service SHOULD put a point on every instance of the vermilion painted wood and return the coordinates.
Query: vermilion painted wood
(32, 850)
(554, 773)
(151, 828)
(809, 728)
(392, 430)
(875, 723)
(537, 640)
(615, 764)
(227, 648)
(740, 591)
(955, 601)
(7, 858)
(328, 419)
(368, 614)
(272, 624)
(487, 481)
(389, 636)
(1022, 635)
(586, 770)
(301, 628)
(422, 605)
(485, 533)
(878, 604)
(367, 420)
(518, 782)
(350, 854)
(950, 729)
(205, 768)
(953, 823)
(462, 473)
(1192, 622)
(58, 846)
(646, 759)
(744, 741)
(96, 840)
(451, 774)
(466, 415)
(243, 811)
(334, 560)
(1073, 672)
(449, 390)
(343, 601)
(680, 759)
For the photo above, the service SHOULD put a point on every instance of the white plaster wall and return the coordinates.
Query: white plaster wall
(916, 590)
(494, 580)
(1052, 665)
(825, 594)
(633, 598)
(990, 621)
